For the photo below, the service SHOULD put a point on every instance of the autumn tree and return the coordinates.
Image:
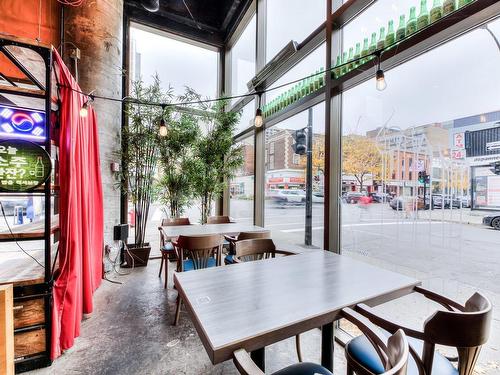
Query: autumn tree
(360, 158)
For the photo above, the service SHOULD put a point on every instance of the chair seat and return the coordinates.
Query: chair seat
(189, 265)
(168, 247)
(229, 259)
(364, 353)
(304, 368)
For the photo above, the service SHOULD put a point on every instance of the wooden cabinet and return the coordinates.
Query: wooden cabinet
(29, 313)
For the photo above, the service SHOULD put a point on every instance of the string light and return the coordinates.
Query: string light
(163, 130)
(84, 111)
(380, 77)
(258, 121)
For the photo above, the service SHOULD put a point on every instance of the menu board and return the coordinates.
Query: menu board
(24, 165)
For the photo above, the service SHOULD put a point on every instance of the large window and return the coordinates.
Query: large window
(243, 59)
(289, 20)
(241, 187)
(177, 63)
(414, 127)
(285, 189)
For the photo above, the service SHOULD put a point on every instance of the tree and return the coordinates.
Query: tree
(175, 184)
(215, 159)
(140, 150)
(360, 158)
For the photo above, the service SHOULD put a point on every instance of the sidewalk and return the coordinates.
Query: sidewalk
(462, 216)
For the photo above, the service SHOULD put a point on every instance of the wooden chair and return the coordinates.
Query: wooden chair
(166, 247)
(257, 249)
(194, 253)
(392, 352)
(219, 220)
(465, 327)
(242, 236)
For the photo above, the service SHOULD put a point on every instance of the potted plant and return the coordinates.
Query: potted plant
(140, 154)
(215, 159)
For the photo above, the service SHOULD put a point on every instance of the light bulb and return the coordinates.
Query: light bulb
(258, 118)
(381, 84)
(163, 128)
(84, 110)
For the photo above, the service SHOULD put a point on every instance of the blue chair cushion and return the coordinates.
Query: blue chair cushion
(304, 368)
(229, 259)
(168, 247)
(361, 350)
(189, 265)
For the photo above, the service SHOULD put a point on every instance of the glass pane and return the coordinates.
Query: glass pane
(247, 117)
(241, 188)
(285, 205)
(407, 172)
(243, 60)
(288, 20)
(178, 64)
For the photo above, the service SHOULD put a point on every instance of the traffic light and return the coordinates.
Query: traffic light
(300, 145)
(495, 168)
(423, 177)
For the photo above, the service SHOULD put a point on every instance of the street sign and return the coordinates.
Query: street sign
(24, 165)
(420, 165)
(458, 154)
(459, 141)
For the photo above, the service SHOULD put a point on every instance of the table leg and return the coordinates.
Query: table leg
(259, 357)
(327, 340)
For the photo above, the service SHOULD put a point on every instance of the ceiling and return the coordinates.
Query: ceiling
(207, 21)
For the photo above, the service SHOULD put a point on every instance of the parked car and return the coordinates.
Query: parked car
(492, 221)
(284, 196)
(353, 197)
(380, 197)
(464, 200)
(437, 201)
(318, 197)
(400, 203)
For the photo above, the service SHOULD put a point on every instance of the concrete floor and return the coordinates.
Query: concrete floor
(130, 332)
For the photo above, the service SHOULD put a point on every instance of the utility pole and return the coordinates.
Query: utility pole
(309, 177)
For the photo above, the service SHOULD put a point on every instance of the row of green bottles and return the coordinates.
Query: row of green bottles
(301, 89)
(350, 60)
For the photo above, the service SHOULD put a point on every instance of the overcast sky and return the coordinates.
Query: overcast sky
(458, 79)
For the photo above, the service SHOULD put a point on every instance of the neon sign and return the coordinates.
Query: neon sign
(22, 123)
(24, 165)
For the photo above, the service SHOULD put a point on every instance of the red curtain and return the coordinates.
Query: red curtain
(79, 272)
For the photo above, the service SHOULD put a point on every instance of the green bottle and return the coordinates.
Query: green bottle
(322, 77)
(449, 6)
(411, 26)
(343, 69)
(462, 3)
(423, 17)
(390, 38)
(357, 55)
(373, 44)
(436, 11)
(381, 39)
(303, 89)
(336, 71)
(311, 84)
(350, 57)
(401, 31)
(364, 51)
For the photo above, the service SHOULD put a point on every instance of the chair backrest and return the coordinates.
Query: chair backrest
(256, 249)
(393, 353)
(199, 249)
(252, 235)
(219, 220)
(466, 327)
(170, 222)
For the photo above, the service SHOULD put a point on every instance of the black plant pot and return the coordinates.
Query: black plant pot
(136, 256)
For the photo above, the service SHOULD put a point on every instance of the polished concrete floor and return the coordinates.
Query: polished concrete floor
(130, 332)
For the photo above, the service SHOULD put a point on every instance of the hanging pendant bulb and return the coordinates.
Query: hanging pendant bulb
(163, 128)
(84, 111)
(381, 84)
(259, 120)
(151, 5)
(380, 77)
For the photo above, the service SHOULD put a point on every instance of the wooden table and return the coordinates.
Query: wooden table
(196, 230)
(255, 304)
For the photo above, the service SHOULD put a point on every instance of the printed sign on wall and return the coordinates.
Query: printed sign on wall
(24, 165)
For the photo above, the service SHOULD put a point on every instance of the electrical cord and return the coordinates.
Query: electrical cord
(14, 237)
